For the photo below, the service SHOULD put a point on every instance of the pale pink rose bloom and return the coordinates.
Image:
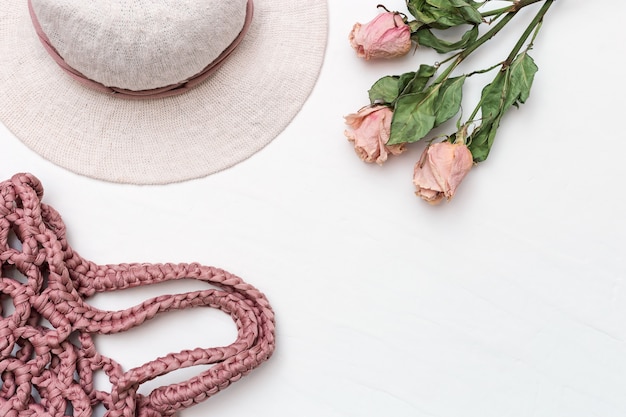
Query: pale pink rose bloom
(386, 36)
(440, 170)
(372, 127)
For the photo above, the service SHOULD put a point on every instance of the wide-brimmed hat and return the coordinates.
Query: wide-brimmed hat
(223, 78)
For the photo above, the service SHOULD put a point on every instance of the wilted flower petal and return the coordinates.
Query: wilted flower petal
(371, 130)
(386, 36)
(440, 170)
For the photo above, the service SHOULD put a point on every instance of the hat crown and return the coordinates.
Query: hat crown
(140, 44)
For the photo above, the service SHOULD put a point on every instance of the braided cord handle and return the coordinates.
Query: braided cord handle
(60, 368)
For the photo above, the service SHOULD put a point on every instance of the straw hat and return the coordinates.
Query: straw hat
(223, 78)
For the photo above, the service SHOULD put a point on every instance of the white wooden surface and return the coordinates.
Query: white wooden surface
(508, 301)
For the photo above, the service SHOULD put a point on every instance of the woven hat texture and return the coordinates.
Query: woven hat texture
(234, 113)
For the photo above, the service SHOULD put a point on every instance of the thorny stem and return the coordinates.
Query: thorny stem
(510, 11)
(531, 27)
(475, 45)
(534, 26)
(517, 5)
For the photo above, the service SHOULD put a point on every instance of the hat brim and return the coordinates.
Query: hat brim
(226, 119)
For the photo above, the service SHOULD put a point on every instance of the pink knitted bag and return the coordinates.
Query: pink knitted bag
(44, 372)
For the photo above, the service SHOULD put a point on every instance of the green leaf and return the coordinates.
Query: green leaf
(493, 96)
(425, 37)
(434, 15)
(414, 116)
(443, 14)
(414, 25)
(415, 6)
(417, 81)
(493, 100)
(482, 139)
(387, 89)
(510, 87)
(449, 99)
(384, 90)
(451, 13)
(445, 20)
(523, 70)
(468, 10)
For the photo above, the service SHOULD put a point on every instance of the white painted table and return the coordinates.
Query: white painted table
(508, 301)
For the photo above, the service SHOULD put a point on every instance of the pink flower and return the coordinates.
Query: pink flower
(440, 170)
(386, 36)
(372, 127)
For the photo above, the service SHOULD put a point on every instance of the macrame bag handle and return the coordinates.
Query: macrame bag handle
(61, 370)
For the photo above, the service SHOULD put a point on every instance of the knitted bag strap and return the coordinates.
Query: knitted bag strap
(45, 372)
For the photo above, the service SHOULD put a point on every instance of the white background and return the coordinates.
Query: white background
(508, 301)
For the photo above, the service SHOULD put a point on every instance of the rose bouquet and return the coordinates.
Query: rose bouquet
(406, 108)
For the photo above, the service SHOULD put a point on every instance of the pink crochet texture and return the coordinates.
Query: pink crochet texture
(49, 371)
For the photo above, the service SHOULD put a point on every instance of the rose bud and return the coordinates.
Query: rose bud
(440, 170)
(386, 36)
(372, 127)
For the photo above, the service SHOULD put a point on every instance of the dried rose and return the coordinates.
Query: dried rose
(440, 170)
(372, 127)
(386, 36)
